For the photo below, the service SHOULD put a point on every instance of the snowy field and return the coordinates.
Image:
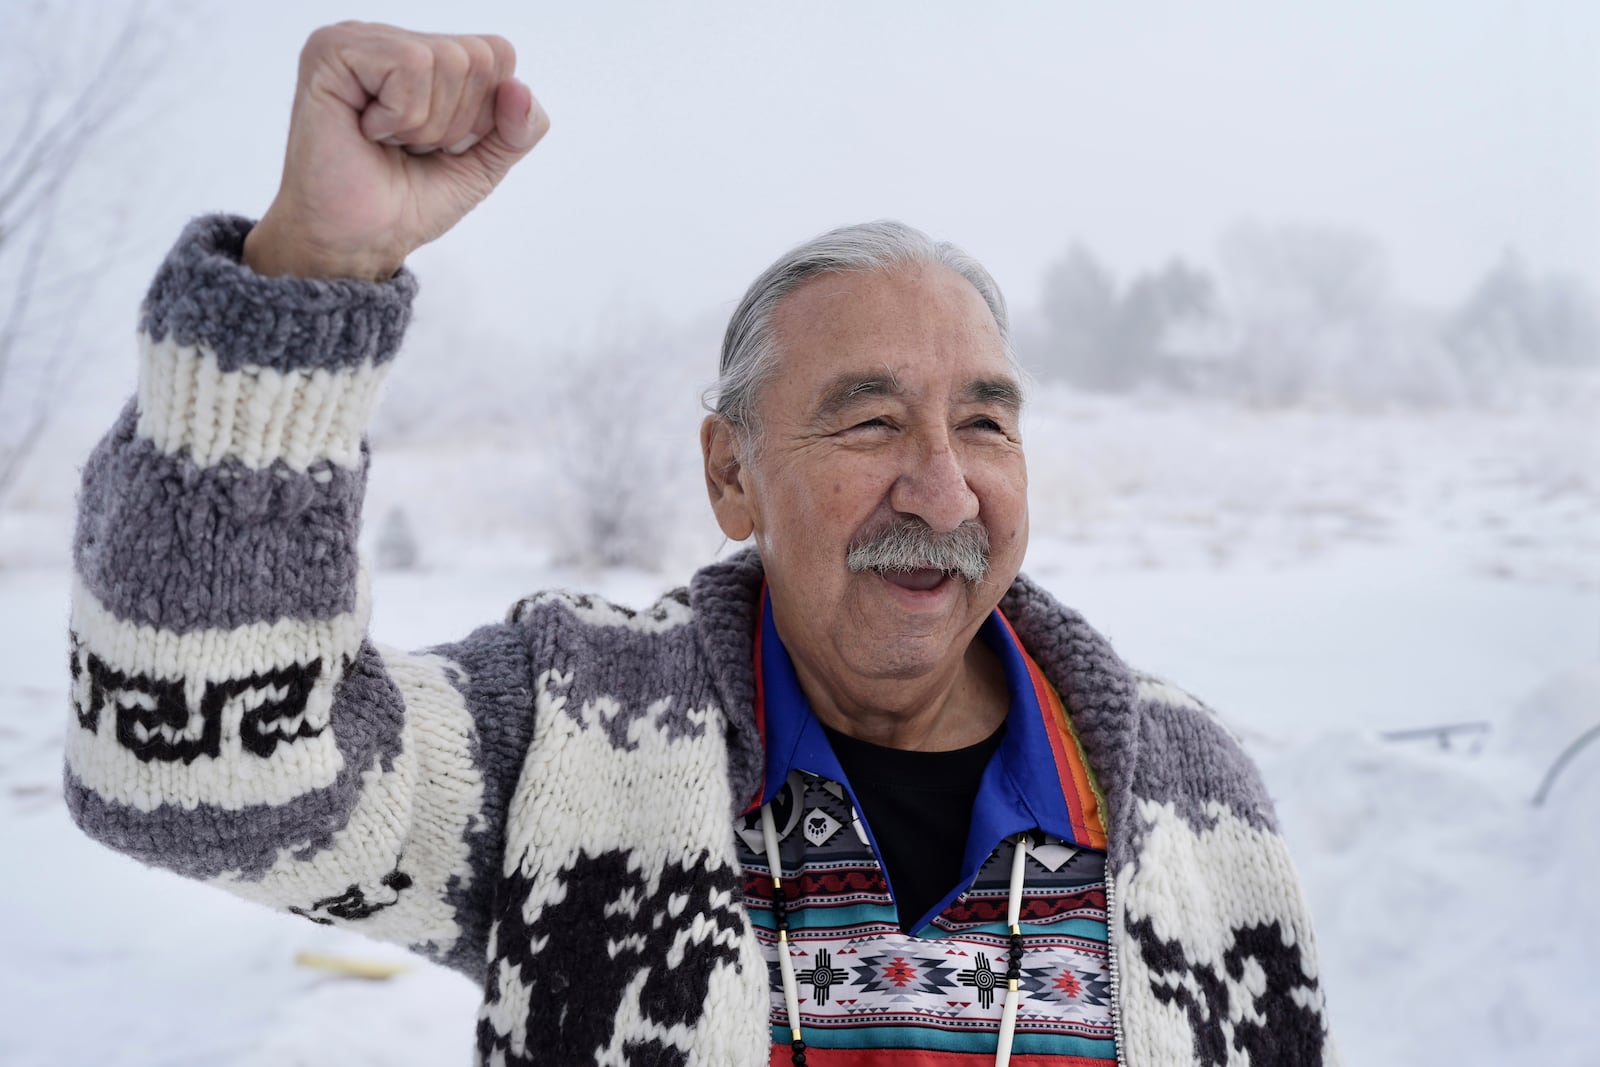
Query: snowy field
(1324, 580)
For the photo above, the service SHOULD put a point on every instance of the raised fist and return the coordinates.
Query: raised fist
(394, 137)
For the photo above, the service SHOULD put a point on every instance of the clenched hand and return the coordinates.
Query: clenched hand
(394, 137)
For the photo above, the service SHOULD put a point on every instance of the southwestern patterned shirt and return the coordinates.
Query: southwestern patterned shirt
(871, 993)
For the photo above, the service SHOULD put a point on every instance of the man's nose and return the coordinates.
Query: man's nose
(933, 486)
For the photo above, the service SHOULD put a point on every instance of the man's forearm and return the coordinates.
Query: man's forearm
(218, 600)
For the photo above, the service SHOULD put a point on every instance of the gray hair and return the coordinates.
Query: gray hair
(910, 544)
(749, 348)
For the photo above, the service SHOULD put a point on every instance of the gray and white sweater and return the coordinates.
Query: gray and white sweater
(497, 804)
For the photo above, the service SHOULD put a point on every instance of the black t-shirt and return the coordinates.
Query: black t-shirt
(919, 806)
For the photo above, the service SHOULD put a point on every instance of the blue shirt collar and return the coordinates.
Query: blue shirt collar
(1020, 790)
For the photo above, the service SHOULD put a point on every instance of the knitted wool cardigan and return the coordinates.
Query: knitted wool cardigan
(546, 805)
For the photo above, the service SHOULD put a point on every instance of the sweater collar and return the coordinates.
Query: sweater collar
(1037, 779)
(1096, 687)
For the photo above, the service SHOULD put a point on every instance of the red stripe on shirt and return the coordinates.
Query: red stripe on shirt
(1078, 788)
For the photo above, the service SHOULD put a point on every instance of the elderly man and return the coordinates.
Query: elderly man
(860, 795)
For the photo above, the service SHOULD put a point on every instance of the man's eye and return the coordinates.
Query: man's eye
(987, 424)
(870, 424)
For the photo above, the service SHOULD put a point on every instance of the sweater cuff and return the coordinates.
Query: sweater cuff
(261, 370)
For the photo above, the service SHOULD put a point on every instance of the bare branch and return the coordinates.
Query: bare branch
(10, 162)
(17, 454)
(27, 280)
(50, 157)
(41, 312)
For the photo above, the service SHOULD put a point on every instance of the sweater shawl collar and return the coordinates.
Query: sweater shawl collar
(1096, 686)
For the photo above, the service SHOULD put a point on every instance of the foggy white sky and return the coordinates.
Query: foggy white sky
(693, 142)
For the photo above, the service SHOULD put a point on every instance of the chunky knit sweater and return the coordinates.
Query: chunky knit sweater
(547, 805)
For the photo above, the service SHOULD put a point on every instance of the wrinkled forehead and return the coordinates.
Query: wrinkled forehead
(906, 327)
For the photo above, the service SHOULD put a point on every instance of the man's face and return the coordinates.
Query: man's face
(893, 399)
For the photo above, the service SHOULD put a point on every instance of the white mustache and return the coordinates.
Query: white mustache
(910, 544)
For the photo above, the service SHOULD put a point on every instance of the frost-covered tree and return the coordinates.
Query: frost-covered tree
(1160, 315)
(1512, 318)
(1079, 322)
(1314, 320)
(1104, 337)
(397, 548)
(618, 430)
(68, 73)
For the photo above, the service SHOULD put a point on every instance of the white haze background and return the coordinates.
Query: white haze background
(1352, 489)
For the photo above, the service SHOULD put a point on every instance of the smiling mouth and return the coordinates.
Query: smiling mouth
(921, 580)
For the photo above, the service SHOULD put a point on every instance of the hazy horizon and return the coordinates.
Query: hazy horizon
(691, 145)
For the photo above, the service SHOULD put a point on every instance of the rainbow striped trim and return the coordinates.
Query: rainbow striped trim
(1079, 789)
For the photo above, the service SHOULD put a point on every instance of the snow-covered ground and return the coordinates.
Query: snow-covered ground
(1324, 580)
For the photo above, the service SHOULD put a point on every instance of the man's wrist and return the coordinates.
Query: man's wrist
(273, 251)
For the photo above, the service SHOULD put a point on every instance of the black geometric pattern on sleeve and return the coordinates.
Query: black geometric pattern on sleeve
(1289, 1035)
(274, 705)
(353, 903)
(155, 722)
(592, 946)
(85, 701)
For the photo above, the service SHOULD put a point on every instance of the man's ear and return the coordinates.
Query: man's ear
(725, 484)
